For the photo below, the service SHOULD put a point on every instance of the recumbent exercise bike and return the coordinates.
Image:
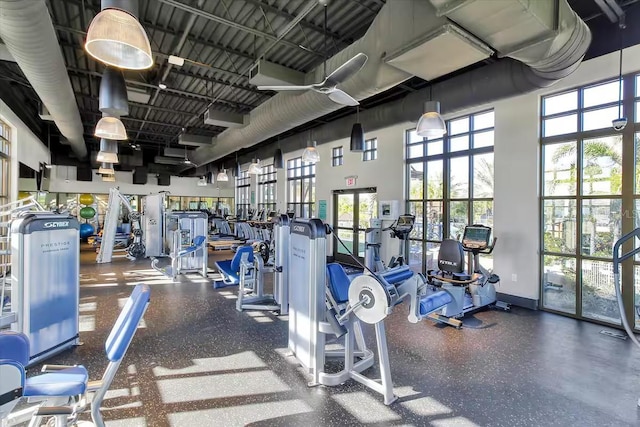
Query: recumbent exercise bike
(469, 292)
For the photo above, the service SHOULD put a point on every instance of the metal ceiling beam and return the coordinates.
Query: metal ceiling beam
(141, 105)
(303, 23)
(219, 81)
(224, 21)
(198, 96)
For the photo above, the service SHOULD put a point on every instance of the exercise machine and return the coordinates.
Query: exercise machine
(153, 212)
(401, 228)
(186, 240)
(61, 393)
(136, 249)
(620, 256)
(469, 292)
(45, 284)
(321, 310)
(251, 294)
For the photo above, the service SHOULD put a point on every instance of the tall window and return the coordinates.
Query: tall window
(243, 195)
(301, 183)
(370, 150)
(267, 189)
(5, 152)
(337, 156)
(587, 200)
(450, 184)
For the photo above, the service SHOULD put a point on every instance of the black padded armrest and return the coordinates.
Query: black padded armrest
(47, 411)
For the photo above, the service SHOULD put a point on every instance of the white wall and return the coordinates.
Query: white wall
(180, 186)
(25, 147)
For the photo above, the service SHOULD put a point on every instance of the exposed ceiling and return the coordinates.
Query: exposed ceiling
(221, 44)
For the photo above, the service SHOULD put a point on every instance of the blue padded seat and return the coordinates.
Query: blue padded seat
(434, 301)
(14, 346)
(197, 243)
(338, 282)
(65, 382)
(230, 268)
(395, 277)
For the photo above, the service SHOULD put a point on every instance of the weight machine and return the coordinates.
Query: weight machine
(136, 249)
(321, 308)
(251, 294)
(186, 243)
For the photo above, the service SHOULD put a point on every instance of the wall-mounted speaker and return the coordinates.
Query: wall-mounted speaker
(140, 175)
(164, 179)
(84, 173)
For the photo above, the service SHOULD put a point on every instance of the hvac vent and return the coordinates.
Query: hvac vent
(44, 113)
(140, 96)
(266, 73)
(195, 140)
(225, 119)
(436, 54)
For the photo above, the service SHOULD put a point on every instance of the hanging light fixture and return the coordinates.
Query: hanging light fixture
(310, 154)
(254, 167)
(108, 152)
(106, 169)
(115, 37)
(357, 134)
(186, 160)
(222, 176)
(278, 159)
(111, 128)
(202, 182)
(109, 178)
(113, 93)
(431, 124)
(621, 122)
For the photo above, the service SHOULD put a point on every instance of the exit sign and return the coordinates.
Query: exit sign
(351, 181)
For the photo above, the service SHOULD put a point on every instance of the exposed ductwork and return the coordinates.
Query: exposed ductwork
(550, 43)
(407, 18)
(27, 31)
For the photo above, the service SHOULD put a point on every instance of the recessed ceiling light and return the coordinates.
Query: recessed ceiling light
(162, 86)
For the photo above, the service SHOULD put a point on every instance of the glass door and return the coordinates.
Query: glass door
(353, 210)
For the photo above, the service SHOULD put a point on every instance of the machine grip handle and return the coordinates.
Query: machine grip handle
(617, 258)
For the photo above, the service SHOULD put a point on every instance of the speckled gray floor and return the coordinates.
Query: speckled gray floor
(199, 362)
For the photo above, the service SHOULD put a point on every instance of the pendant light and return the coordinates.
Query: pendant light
(111, 128)
(357, 134)
(186, 160)
(431, 124)
(116, 38)
(108, 178)
(621, 122)
(108, 152)
(202, 182)
(254, 167)
(113, 93)
(106, 169)
(222, 176)
(278, 157)
(310, 154)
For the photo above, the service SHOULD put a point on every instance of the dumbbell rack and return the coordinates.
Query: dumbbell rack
(8, 213)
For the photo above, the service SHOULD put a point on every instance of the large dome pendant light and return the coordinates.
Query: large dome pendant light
(222, 175)
(254, 167)
(357, 134)
(110, 127)
(431, 124)
(116, 38)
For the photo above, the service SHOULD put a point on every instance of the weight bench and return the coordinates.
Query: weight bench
(230, 269)
(62, 390)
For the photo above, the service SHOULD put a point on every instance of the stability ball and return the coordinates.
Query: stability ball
(87, 212)
(86, 230)
(23, 195)
(86, 199)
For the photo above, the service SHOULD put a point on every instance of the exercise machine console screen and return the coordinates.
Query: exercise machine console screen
(476, 237)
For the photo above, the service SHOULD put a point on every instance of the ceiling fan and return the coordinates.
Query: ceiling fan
(329, 85)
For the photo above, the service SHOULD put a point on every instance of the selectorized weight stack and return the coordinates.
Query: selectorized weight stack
(45, 281)
(186, 243)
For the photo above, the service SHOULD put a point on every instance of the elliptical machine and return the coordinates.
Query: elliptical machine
(400, 229)
(469, 292)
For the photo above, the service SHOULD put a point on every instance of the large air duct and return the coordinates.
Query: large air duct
(27, 31)
(552, 49)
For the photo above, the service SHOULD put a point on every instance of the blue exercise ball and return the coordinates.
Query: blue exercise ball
(86, 230)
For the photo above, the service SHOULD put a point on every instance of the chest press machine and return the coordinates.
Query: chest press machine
(323, 302)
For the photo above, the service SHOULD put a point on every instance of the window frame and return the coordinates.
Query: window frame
(370, 151)
(243, 194)
(301, 172)
(337, 156)
(267, 180)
